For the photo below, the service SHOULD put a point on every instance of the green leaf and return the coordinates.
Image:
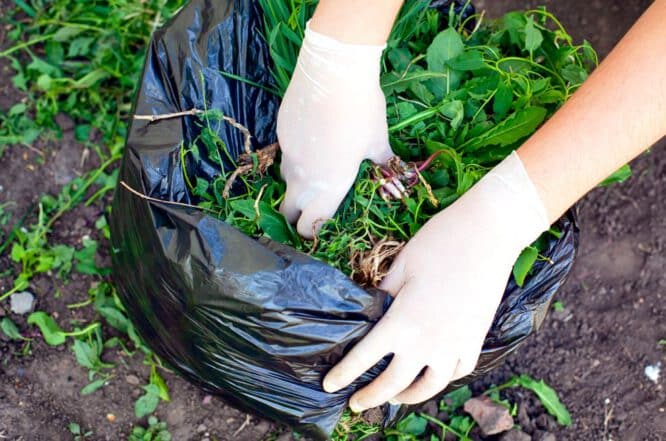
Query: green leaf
(444, 47)
(412, 424)
(74, 428)
(468, 60)
(10, 329)
(620, 175)
(548, 398)
(273, 223)
(92, 387)
(512, 129)
(524, 264)
(533, 37)
(147, 403)
(66, 33)
(454, 111)
(157, 380)
(52, 333)
(454, 400)
(244, 207)
(502, 101)
(114, 317)
(86, 356)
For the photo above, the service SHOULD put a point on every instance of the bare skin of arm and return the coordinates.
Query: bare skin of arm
(356, 21)
(619, 112)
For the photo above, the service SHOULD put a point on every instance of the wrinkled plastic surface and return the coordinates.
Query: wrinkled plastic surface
(254, 321)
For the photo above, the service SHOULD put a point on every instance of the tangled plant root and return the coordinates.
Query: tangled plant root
(371, 266)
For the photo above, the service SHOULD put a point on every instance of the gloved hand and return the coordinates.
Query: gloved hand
(332, 117)
(448, 282)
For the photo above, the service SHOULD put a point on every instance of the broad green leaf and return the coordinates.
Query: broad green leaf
(454, 400)
(412, 424)
(147, 403)
(244, 207)
(548, 398)
(444, 47)
(399, 58)
(620, 175)
(114, 317)
(524, 264)
(273, 223)
(52, 333)
(10, 329)
(86, 356)
(468, 60)
(514, 128)
(92, 387)
(533, 37)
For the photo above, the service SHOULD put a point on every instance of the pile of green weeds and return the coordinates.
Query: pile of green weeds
(459, 100)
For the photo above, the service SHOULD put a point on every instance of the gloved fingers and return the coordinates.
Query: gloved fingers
(427, 386)
(372, 348)
(399, 374)
(394, 280)
(289, 206)
(317, 211)
(465, 366)
(381, 153)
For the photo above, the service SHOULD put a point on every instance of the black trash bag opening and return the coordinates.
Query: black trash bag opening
(254, 321)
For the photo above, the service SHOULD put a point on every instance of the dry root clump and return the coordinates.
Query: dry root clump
(371, 266)
(265, 157)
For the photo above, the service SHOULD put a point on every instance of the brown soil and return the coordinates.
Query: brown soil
(593, 353)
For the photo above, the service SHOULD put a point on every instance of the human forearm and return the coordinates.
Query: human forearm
(619, 112)
(354, 21)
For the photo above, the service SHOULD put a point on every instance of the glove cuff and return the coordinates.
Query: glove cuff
(515, 200)
(317, 41)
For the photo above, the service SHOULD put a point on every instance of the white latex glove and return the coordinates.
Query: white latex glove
(448, 282)
(332, 117)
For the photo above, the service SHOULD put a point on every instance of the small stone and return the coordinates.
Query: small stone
(110, 417)
(207, 399)
(545, 422)
(133, 380)
(136, 393)
(22, 302)
(543, 436)
(202, 428)
(652, 371)
(492, 418)
(515, 435)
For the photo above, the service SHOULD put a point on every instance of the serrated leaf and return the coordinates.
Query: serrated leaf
(524, 264)
(512, 129)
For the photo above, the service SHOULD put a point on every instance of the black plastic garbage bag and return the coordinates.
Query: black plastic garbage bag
(254, 321)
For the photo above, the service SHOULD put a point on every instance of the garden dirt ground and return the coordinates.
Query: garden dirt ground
(593, 352)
